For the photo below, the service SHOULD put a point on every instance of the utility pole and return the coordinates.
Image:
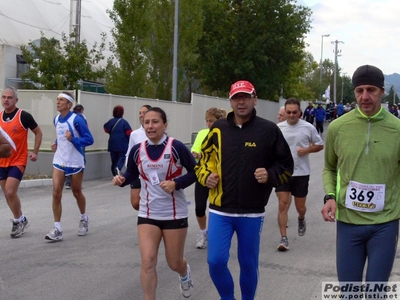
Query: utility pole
(175, 57)
(337, 53)
(75, 20)
(75, 29)
(342, 86)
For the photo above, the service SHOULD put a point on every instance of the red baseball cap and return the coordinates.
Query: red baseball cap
(242, 86)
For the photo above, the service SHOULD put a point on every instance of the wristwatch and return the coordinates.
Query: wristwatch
(328, 197)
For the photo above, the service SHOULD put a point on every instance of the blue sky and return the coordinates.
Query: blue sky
(369, 30)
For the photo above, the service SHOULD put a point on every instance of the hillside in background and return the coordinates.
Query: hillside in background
(392, 80)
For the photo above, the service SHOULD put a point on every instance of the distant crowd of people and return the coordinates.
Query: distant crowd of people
(320, 114)
(395, 110)
(235, 163)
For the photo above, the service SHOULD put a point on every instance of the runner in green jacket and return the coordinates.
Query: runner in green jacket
(362, 181)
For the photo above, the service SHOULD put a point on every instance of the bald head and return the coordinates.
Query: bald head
(281, 114)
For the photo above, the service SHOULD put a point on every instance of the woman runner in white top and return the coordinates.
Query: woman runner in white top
(163, 209)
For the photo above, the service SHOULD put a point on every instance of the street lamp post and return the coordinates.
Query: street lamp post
(75, 20)
(320, 63)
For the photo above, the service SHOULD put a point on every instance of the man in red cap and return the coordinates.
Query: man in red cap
(242, 158)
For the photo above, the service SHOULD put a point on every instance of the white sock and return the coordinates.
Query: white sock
(204, 231)
(20, 219)
(183, 279)
(84, 217)
(58, 225)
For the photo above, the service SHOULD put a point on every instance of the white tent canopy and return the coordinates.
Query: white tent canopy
(22, 21)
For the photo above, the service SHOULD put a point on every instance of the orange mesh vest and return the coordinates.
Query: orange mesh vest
(19, 135)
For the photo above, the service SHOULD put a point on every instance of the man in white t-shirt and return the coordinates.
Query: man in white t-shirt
(137, 136)
(303, 139)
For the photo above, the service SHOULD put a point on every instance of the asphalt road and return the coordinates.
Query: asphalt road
(105, 264)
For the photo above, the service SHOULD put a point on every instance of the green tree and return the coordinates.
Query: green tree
(128, 75)
(302, 81)
(256, 40)
(143, 47)
(328, 71)
(190, 31)
(56, 65)
(317, 80)
(348, 92)
(392, 98)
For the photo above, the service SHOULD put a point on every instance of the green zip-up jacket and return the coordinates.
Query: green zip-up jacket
(366, 150)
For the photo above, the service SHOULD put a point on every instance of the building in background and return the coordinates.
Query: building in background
(23, 21)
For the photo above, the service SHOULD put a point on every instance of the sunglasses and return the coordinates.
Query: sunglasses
(292, 112)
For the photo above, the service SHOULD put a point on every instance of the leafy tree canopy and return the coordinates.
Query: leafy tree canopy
(143, 47)
(257, 40)
(219, 42)
(55, 65)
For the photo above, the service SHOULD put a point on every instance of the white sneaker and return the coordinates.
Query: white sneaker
(18, 228)
(54, 235)
(284, 244)
(202, 241)
(83, 227)
(186, 286)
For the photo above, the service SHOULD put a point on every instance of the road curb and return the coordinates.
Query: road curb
(36, 183)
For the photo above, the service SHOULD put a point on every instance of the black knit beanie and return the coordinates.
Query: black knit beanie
(368, 75)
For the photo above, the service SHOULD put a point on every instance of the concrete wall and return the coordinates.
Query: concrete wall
(2, 65)
(98, 165)
(183, 118)
(184, 121)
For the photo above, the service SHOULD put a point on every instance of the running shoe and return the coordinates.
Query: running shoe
(18, 228)
(83, 227)
(302, 227)
(284, 245)
(54, 235)
(186, 284)
(201, 241)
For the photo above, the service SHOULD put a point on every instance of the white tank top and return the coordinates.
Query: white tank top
(154, 202)
(67, 155)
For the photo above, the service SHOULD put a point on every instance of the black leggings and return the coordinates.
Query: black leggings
(320, 126)
(200, 198)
